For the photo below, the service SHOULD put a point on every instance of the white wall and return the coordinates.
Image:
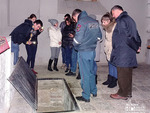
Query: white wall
(6, 89)
(137, 9)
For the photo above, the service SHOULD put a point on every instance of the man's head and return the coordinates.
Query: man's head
(37, 25)
(116, 11)
(75, 14)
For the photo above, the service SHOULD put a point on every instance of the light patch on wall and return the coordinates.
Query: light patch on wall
(19, 10)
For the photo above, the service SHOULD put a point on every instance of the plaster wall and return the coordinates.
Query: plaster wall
(6, 89)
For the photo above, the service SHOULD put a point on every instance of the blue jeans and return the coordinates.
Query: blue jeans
(15, 50)
(74, 60)
(68, 52)
(87, 72)
(112, 70)
(63, 55)
(31, 52)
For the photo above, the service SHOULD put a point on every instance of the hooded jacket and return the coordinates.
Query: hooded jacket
(55, 36)
(22, 32)
(87, 33)
(125, 42)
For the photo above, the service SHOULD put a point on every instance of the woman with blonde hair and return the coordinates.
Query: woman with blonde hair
(108, 24)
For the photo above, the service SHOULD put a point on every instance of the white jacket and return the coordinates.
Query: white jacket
(55, 36)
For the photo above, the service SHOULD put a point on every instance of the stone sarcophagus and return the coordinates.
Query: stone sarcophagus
(45, 94)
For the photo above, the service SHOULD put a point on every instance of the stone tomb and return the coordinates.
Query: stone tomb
(45, 94)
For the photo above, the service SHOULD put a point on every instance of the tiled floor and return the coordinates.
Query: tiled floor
(139, 103)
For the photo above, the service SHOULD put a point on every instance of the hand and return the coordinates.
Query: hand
(41, 29)
(71, 35)
(29, 42)
(59, 43)
(139, 50)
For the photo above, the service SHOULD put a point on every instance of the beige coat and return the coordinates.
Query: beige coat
(108, 39)
(55, 36)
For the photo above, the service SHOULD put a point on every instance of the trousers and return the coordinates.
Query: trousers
(74, 60)
(54, 52)
(124, 81)
(15, 50)
(31, 53)
(87, 72)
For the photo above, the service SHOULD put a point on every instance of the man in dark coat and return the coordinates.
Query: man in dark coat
(126, 43)
(21, 34)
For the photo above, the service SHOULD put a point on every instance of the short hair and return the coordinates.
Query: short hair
(67, 15)
(76, 11)
(39, 22)
(117, 7)
(32, 16)
(106, 17)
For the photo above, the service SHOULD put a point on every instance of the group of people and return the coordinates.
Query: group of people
(122, 43)
(27, 34)
(64, 41)
(77, 38)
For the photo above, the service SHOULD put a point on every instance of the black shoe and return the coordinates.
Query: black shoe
(113, 83)
(67, 69)
(70, 73)
(50, 69)
(80, 98)
(56, 69)
(94, 95)
(78, 77)
(108, 81)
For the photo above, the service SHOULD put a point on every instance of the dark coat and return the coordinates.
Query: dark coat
(21, 33)
(125, 41)
(87, 33)
(66, 40)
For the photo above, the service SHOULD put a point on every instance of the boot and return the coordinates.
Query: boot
(108, 81)
(55, 64)
(113, 83)
(50, 64)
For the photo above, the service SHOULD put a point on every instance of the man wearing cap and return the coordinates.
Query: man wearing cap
(87, 32)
